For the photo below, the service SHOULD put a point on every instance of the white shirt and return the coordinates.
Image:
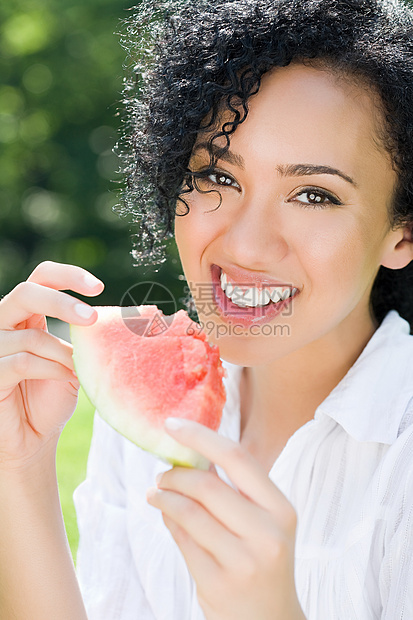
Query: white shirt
(348, 473)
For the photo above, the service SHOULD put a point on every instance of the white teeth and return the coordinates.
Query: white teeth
(250, 297)
(276, 295)
(240, 303)
(264, 297)
(237, 296)
(253, 297)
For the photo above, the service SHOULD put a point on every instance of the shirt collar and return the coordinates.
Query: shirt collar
(369, 402)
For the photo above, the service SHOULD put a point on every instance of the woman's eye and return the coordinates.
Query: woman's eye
(316, 198)
(220, 178)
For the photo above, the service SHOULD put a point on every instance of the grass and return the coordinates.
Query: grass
(72, 454)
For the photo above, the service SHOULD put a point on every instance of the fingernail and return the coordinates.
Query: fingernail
(158, 478)
(84, 311)
(150, 493)
(91, 281)
(175, 424)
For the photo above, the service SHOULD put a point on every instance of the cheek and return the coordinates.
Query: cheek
(339, 252)
(180, 233)
(195, 230)
(191, 241)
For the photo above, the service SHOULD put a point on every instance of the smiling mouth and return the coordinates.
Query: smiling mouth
(254, 297)
(246, 304)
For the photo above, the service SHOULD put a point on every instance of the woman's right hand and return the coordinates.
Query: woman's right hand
(38, 387)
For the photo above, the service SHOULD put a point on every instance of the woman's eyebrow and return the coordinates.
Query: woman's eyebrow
(219, 154)
(295, 170)
(298, 170)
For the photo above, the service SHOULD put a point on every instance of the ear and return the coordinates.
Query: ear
(399, 252)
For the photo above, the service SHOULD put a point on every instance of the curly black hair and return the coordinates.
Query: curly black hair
(190, 60)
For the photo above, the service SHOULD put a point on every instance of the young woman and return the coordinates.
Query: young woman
(281, 135)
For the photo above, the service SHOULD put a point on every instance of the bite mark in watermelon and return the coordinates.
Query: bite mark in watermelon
(139, 370)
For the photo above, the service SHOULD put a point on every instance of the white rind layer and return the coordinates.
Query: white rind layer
(124, 417)
(154, 440)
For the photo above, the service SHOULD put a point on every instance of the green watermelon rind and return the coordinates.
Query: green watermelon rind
(133, 425)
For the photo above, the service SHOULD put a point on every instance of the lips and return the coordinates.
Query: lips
(246, 315)
(244, 277)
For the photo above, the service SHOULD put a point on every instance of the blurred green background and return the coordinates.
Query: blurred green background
(60, 88)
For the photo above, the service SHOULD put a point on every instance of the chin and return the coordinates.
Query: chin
(243, 351)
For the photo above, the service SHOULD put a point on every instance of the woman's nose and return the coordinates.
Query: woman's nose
(255, 237)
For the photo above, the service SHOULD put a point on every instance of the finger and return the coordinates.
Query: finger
(36, 341)
(202, 566)
(232, 510)
(244, 471)
(198, 523)
(21, 366)
(29, 298)
(60, 276)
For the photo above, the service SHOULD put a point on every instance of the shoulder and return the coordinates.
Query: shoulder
(394, 376)
(394, 482)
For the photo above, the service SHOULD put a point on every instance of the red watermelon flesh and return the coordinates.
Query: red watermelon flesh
(138, 367)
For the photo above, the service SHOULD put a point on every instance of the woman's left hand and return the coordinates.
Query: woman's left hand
(238, 544)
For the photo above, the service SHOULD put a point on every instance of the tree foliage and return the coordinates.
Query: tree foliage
(61, 67)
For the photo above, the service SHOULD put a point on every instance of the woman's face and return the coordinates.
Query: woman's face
(306, 188)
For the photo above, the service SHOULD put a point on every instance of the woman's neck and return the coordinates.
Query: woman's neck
(279, 398)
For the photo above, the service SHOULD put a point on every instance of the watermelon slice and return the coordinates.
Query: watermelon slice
(138, 367)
